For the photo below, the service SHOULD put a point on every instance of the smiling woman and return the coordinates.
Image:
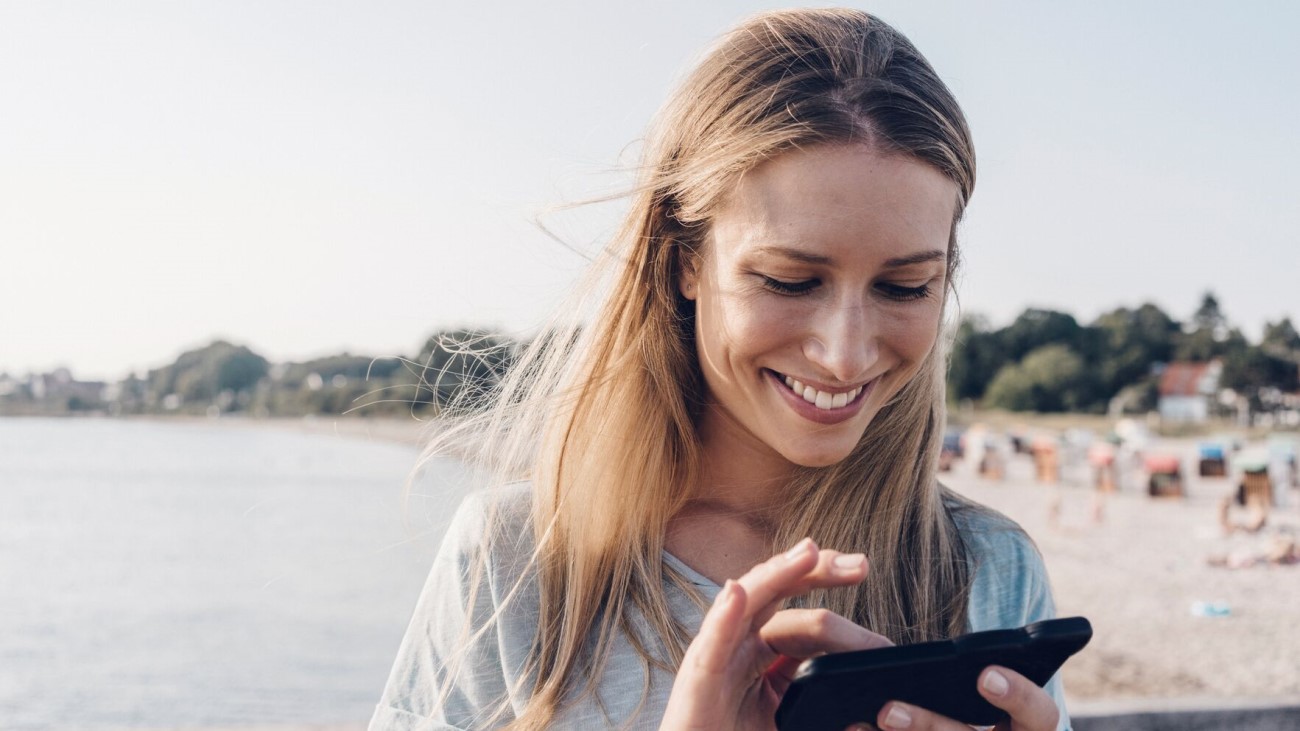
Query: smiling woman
(820, 289)
(765, 371)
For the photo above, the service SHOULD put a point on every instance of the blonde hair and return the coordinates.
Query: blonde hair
(602, 419)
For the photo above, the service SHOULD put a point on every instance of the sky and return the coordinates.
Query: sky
(312, 177)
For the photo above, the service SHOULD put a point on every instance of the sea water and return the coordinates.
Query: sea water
(158, 573)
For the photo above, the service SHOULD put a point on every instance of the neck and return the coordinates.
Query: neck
(740, 474)
(729, 524)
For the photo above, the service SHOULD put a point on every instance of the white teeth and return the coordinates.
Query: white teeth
(822, 399)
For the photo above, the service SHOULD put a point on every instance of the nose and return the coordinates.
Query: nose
(844, 341)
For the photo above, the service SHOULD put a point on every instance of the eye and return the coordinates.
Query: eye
(904, 294)
(790, 288)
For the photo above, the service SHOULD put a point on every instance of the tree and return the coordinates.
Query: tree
(977, 355)
(1250, 370)
(200, 376)
(1281, 339)
(1209, 316)
(1050, 378)
(351, 367)
(1035, 328)
(1210, 336)
(239, 369)
(1131, 342)
(462, 369)
(1010, 390)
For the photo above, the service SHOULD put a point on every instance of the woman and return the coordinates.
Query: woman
(765, 371)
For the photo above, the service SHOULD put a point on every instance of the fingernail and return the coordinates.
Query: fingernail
(799, 549)
(725, 594)
(898, 718)
(849, 563)
(995, 683)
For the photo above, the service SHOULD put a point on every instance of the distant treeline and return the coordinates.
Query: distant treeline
(1046, 361)
(1043, 361)
(456, 367)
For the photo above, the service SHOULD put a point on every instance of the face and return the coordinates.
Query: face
(818, 295)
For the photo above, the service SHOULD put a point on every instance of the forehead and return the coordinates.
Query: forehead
(846, 201)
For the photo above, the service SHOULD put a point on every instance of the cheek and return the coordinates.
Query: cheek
(911, 337)
(738, 324)
(767, 331)
(718, 331)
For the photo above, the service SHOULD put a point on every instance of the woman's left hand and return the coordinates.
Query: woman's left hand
(1030, 707)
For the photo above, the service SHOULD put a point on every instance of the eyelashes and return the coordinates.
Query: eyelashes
(896, 292)
(905, 294)
(790, 288)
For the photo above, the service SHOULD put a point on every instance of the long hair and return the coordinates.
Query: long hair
(602, 418)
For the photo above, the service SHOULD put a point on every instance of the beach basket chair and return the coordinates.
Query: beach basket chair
(1256, 487)
(1213, 460)
(1164, 476)
(992, 466)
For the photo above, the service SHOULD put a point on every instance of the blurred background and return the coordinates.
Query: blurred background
(250, 242)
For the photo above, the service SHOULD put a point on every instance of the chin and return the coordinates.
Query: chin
(820, 463)
(824, 457)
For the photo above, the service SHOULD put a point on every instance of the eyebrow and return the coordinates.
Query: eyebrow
(921, 257)
(795, 254)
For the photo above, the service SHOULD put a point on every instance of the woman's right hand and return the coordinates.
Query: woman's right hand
(742, 661)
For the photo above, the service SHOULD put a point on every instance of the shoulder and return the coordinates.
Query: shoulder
(992, 539)
(493, 526)
(485, 512)
(467, 645)
(1009, 585)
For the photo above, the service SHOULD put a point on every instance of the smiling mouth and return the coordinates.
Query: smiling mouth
(821, 399)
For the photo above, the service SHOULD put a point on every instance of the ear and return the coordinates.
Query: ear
(688, 277)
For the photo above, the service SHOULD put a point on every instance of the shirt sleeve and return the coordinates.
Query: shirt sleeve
(1010, 590)
(448, 674)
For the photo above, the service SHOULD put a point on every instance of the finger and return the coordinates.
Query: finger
(803, 633)
(720, 632)
(780, 674)
(803, 568)
(768, 582)
(896, 716)
(797, 634)
(832, 569)
(1029, 706)
(705, 675)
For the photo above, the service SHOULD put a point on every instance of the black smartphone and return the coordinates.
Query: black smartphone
(831, 692)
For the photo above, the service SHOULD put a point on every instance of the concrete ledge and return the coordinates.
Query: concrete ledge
(1187, 714)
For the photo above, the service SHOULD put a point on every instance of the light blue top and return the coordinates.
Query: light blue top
(1010, 589)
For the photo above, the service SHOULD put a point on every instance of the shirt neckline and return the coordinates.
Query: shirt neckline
(691, 574)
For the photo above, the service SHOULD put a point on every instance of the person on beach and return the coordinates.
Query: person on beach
(731, 466)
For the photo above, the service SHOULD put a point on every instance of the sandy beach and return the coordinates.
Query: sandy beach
(1136, 567)
(401, 431)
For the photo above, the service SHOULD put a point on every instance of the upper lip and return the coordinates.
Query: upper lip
(822, 385)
